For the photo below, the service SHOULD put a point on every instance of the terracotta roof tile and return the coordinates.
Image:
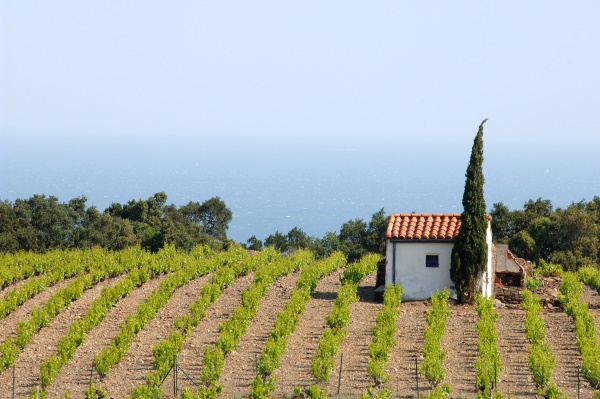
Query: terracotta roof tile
(423, 226)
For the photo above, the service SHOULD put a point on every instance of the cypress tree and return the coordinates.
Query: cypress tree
(469, 254)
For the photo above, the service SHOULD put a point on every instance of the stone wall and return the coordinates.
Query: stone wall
(507, 294)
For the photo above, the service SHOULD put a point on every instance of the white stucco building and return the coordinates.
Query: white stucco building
(418, 251)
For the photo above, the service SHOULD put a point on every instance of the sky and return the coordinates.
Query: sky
(268, 69)
(133, 82)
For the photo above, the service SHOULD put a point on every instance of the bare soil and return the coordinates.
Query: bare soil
(515, 378)
(75, 376)
(353, 355)
(302, 344)
(407, 354)
(460, 341)
(560, 336)
(44, 343)
(207, 332)
(138, 360)
(240, 365)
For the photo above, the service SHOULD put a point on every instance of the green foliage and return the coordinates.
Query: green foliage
(541, 361)
(568, 237)
(384, 333)
(287, 320)
(523, 244)
(469, 253)
(548, 269)
(377, 393)
(43, 223)
(235, 327)
(261, 388)
(432, 366)
(533, 283)
(488, 365)
(254, 244)
(110, 296)
(552, 392)
(585, 328)
(323, 363)
(356, 238)
(101, 265)
(439, 392)
(316, 392)
(94, 392)
(184, 272)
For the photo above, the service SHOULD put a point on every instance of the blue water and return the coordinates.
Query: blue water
(274, 185)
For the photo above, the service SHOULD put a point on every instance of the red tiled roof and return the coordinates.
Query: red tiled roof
(423, 226)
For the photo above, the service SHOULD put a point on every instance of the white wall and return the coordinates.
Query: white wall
(487, 282)
(419, 282)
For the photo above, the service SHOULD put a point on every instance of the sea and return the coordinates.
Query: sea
(277, 184)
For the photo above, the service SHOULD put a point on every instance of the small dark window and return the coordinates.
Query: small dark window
(432, 261)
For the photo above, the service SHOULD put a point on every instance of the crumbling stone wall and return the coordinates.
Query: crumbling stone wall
(507, 294)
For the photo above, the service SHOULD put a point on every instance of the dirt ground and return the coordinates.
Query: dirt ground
(460, 341)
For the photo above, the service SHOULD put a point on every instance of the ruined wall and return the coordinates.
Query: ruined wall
(508, 294)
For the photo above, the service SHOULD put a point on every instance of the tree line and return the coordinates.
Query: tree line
(538, 232)
(569, 237)
(355, 239)
(42, 223)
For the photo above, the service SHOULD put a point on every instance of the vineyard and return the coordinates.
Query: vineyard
(131, 324)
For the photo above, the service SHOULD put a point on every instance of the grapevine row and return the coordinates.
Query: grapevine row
(338, 320)
(41, 317)
(146, 311)
(383, 339)
(585, 329)
(433, 355)
(236, 263)
(541, 361)
(487, 365)
(48, 270)
(109, 297)
(235, 327)
(286, 322)
(23, 265)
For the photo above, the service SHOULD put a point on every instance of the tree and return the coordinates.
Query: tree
(215, 218)
(327, 245)
(277, 241)
(254, 244)
(469, 254)
(297, 238)
(354, 239)
(523, 245)
(376, 232)
(502, 223)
